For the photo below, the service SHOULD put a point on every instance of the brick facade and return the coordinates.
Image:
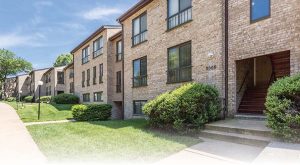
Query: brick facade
(53, 85)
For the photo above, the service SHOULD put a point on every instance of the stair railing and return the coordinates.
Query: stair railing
(244, 81)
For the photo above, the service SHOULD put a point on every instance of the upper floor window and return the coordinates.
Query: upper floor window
(71, 74)
(140, 72)
(88, 76)
(260, 9)
(180, 63)
(98, 47)
(139, 30)
(85, 55)
(119, 82)
(94, 75)
(179, 12)
(60, 78)
(119, 51)
(101, 73)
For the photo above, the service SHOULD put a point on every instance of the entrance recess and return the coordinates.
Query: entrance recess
(255, 75)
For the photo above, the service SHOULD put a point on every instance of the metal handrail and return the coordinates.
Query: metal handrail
(244, 81)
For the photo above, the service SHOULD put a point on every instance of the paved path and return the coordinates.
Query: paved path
(16, 144)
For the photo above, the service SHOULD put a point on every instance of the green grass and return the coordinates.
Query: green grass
(49, 112)
(107, 140)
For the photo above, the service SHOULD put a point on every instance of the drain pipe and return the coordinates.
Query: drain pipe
(225, 112)
(123, 89)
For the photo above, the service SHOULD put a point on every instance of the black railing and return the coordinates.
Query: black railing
(140, 81)
(98, 52)
(180, 18)
(85, 60)
(182, 74)
(139, 38)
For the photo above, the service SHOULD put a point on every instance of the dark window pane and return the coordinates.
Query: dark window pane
(173, 7)
(184, 4)
(136, 26)
(136, 68)
(173, 58)
(260, 9)
(143, 66)
(144, 23)
(185, 55)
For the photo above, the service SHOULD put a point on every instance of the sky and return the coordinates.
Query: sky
(40, 30)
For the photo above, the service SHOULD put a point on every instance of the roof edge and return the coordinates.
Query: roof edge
(133, 10)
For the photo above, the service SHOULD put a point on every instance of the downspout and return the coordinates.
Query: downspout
(226, 59)
(123, 89)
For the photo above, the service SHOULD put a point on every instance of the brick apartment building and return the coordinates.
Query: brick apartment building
(54, 82)
(36, 76)
(69, 78)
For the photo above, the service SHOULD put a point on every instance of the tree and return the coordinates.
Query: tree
(63, 59)
(11, 65)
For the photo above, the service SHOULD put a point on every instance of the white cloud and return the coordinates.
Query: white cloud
(15, 40)
(40, 4)
(100, 13)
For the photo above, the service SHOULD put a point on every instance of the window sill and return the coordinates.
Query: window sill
(133, 46)
(260, 19)
(85, 63)
(97, 56)
(178, 82)
(178, 26)
(140, 86)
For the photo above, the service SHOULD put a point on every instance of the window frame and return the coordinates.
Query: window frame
(85, 59)
(262, 18)
(71, 87)
(118, 82)
(134, 107)
(179, 68)
(62, 76)
(94, 75)
(88, 77)
(95, 52)
(100, 73)
(141, 32)
(140, 76)
(177, 14)
(119, 55)
(84, 98)
(83, 79)
(97, 100)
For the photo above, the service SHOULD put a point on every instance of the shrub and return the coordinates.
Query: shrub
(66, 99)
(191, 105)
(28, 99)
(45, 99)
(91, 112)
(11, 99)
(283, 108)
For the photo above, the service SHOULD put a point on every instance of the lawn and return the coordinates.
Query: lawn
(115, 141)
(49, 112)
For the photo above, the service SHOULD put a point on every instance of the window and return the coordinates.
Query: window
(260, 9)
(119, 82)
(60, 78)
(179, 12)
(98, 47)
(179, 63)
(71, 87)
(101, 73)
(85, 55)
(138, 106)
(83, 79)
(46, 91)
(140, 72)
(86, 97)
(71, 74)
(98, 97)
(46, 79)
(119, 50)
(139, 29)
(88, 74)
(94, 75)
(49, 90)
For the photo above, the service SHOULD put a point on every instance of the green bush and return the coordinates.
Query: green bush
(45, 99)
(66, 99)
(192, 105)
(283, 108)
(28, 99)
(11, 99)
(91, 112)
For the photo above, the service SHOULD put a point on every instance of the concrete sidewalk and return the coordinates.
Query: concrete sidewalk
(16, 144)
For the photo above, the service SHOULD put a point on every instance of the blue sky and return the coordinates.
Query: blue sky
(40, 30)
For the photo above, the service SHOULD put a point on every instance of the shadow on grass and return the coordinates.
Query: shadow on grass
(62, 107)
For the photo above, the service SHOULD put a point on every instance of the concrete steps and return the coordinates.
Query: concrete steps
(247, 132)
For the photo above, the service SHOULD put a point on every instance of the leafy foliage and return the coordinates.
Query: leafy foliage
(192, 105)
(11, 65)
(91, 112)
(28, 99)
(283, 108)
(46, 99)
(63, 59)
(11, 99)
(65, 98)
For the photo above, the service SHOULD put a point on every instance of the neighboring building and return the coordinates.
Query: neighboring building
(263, 45)
(91, 66)
(169, 43)
(35, 77)
(69, 78)
(22, 84)
(10, 87)
(54, 82)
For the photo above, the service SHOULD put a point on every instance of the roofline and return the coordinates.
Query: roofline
(48, 70)
(117, 35)
(68, 66)
(23, 75)
(38, 70)
(134, 9)
(93, 35)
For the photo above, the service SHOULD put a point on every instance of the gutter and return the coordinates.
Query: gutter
(225, 113)
(123, 89)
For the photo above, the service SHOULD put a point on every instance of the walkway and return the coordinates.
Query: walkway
(16, 144)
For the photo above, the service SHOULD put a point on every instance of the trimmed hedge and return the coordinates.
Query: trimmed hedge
(191, 105)
(283, 108)
(45, 99)
(11, 99)
(28, 99)
(65, 98)
(91, 112)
